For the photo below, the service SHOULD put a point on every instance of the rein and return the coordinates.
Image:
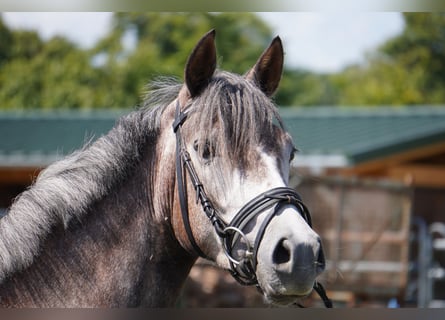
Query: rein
(242, 269)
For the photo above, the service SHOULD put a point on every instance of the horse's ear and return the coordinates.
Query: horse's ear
(266, 72)
(201, 64)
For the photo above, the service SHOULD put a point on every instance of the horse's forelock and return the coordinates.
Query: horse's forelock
(241, 112)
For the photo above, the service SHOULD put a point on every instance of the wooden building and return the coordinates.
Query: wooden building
(391, 146)
(397, 144)
(401, 144)
(30, 141)
(375, 180)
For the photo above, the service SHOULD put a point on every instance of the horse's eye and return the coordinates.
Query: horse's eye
(206, 150)
(292, 154)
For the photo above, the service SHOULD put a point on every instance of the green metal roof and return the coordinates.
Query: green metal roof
(358, 134)
(362, 134)
(39, 138)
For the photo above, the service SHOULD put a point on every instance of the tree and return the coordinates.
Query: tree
(163, 42)
(420, 50)
(57, 74)
(408, 69)
(5, 42)
(19, 83)
(305, 88)
(53, 74)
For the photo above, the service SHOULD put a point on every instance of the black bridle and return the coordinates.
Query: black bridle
(243, 269)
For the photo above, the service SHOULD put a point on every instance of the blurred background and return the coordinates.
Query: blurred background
(363, 95)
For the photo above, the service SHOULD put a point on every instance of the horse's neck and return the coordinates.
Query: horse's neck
(118, 254)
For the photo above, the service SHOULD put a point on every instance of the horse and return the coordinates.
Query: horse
(199, 169)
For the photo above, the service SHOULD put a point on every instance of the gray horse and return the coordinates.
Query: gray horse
(117, 223)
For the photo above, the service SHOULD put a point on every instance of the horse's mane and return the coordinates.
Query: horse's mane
(68, 188)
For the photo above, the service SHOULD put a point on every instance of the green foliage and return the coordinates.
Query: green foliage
(54, 74)
(420, 50)
(407, 69)
(303, 88)
(5, 43)
(57, 74)
(164, 41)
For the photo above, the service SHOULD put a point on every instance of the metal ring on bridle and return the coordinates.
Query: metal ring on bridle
(248, 253)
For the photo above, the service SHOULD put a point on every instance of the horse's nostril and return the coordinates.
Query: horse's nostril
(281, 253)
(320, 258)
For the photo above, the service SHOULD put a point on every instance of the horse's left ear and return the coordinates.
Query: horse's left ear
(201, 64)
(266, 72)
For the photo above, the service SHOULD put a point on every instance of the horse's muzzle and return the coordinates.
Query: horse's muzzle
(289, 259)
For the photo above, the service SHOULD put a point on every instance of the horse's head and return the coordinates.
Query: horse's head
(232, 148)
